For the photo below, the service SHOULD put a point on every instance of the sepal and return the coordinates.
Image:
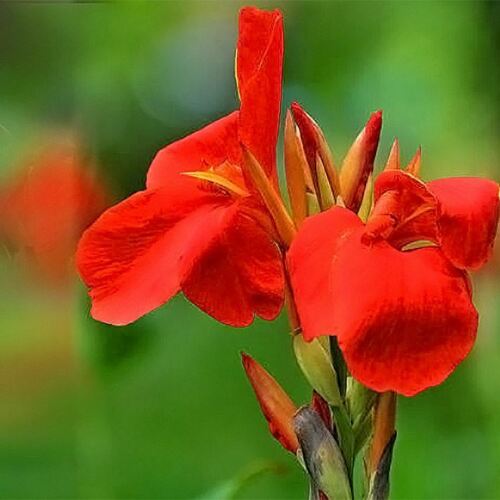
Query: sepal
(315, 363)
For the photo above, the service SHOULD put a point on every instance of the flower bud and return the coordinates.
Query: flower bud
(315, 145)
(277, 407)
(367, 201)
(383, 425)
(322, 455)
(413, 167)
(322, 409)
(315, 362)
(358, 163)
(393, 162)
(295, 169)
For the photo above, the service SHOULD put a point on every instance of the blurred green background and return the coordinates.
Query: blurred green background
(161, 409)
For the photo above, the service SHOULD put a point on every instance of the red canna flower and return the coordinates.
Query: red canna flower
(45, 208)
(200, 226)
(395, 290)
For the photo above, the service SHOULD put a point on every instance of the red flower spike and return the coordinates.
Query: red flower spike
(468, 220)
(406, 321)
(200, 227)
(277, 407)
(259, 77)
(309, 260)
(358, 163)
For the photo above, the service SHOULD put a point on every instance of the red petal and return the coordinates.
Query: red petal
(309, 260)
(259, 68)
(469, 219)
(405, 210)
(404, 320)
(135, 255)
(209, 147)
(240, 274)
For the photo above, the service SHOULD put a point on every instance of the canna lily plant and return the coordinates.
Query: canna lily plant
(374, 274)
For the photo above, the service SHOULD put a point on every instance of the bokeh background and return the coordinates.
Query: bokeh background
(161, 409)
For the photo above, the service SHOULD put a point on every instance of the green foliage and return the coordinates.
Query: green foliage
(162, 409)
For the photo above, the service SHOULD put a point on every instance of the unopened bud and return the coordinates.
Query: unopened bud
(315, 144)
(367, 201)
(315, 362)
(277, 407)
(322, 409)
(393, 161)
(358, 163)
(413, 167)
(295, 168)
(322, 455)
(325, 191)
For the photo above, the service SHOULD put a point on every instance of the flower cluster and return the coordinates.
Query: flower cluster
(379, 266)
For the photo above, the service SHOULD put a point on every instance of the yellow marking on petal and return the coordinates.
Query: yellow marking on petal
(219, 181)
(236, 74)
(416, 245)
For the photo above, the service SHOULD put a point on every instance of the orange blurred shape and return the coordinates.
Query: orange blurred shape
(45, 207)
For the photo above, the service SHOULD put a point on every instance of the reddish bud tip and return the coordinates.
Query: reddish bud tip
(315, 144)
(322, 409)
(358, 163)
(277, 407)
